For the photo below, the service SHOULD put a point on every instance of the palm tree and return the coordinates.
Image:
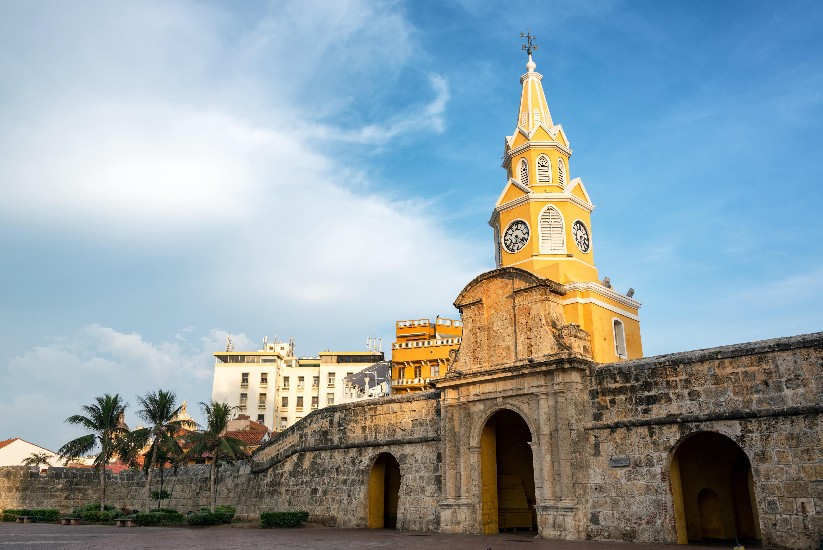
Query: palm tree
(36, 459)
(130, 446)
(212, 440)
(104, 420)
(159, 410)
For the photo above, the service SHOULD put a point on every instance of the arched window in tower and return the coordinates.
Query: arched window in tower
(552, 235)
(524, 172)
(619, 338)
(544, 170)
(561, 173)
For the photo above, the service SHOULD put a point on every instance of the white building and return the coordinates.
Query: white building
(277, 389)
(14, 451)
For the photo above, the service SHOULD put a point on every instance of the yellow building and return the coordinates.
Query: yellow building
(421, 351)
(542, 223)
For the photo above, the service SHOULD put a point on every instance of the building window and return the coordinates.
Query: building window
(436, 370)
(244, 397)
(264, 378)
(284, 401)
(315, 382)
(552, 235)
(285, 382)
(314, 401)
(299, 402)
(244, 379)
(561, 173)
(331, 379)
(544, 169)
(329, 399)
(261, 418)
(401, 373)
(524, 172)
(261, 402)
(619, 339)
(284, 421)
(536, 117)
(417, 369)
(301, 382)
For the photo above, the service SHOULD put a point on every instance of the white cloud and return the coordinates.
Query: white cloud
(51, 382)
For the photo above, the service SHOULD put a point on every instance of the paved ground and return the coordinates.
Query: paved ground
(35, 536)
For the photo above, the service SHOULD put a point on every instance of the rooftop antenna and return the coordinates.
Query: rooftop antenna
(229, 343)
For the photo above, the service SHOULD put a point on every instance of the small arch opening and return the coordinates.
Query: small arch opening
(507, 474)
(384, 492)
(713, 491)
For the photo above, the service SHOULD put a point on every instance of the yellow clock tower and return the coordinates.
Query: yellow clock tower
(542, 223)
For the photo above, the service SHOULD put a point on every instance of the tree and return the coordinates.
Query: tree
(160, 411)
(212, 440)
(103, 420)
(36, 459)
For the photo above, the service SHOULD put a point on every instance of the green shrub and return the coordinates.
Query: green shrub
(11, 514)
(204, 517)
(221, 515)
(96, 516)
(39, 515)
(44, 515)
(77, 512)
(282, 519)
(158, 517)
(226, 513)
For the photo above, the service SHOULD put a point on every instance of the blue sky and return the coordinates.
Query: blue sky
(172, 172)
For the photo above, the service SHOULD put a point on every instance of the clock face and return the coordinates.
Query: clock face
(516, 236)
(581, 236)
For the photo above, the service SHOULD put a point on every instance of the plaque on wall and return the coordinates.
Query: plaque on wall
(619, 462)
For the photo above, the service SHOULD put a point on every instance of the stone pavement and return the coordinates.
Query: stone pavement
(35, 536)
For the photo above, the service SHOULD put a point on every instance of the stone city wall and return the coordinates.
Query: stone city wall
(765, 396)
(321, 465)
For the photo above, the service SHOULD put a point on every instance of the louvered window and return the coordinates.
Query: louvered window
(552, 239)
(619, 339)
(524, 172)
(561, 173)
(544, 170)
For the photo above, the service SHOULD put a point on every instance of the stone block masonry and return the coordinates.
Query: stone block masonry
(320, 465)
(766, 397)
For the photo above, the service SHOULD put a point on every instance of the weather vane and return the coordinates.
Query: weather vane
(529, 46)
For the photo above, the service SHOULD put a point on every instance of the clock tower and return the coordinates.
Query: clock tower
(542, 224)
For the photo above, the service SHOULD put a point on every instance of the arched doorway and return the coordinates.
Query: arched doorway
(384, 492)
(507, 474)
(713, 491)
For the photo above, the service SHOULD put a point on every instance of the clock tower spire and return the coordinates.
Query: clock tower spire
(542, 223)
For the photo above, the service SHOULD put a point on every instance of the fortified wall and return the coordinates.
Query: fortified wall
(322, 464)
(664, 429)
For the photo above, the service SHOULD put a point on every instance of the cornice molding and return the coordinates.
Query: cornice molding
(606, 292)
(539, 197)
(507, 155)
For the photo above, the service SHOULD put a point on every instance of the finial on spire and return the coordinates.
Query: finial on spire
(529, 46)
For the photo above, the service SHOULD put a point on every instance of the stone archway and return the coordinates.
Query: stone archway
(713, 490)
(507, 491)
(384, 492)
